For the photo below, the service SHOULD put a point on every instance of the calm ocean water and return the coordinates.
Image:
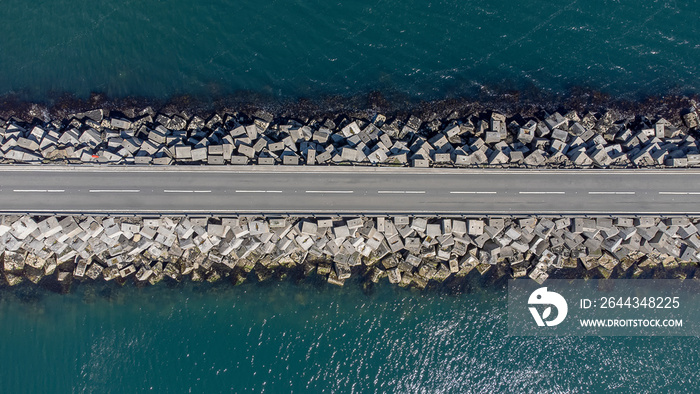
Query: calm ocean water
(290, 337)
(303, 337)
(291, 48)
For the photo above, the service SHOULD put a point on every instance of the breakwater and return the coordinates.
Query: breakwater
(406, 251)
(538, 139)
(305, 335)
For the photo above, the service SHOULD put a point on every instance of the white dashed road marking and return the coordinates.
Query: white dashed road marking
(541, 192)
(258, 191)
(329, 191)
(401, 191)
(186, 191)
(610, 192)
(38, 191)
(473, 192)
(114, 191)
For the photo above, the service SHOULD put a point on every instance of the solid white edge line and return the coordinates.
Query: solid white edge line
(364, 211)
(321, 169)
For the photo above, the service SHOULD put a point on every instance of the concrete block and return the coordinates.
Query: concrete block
(351, 129)
(199, 154)
(421, 163)
(354, 223)
(247, 151)
(290, 160)
(215, 160)
(475, 227)
(239, 160)
(120, 123)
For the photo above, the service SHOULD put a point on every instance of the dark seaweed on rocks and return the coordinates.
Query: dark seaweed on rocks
(584, 130)
(527, 103)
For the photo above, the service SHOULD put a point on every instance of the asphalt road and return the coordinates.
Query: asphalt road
(324, 191)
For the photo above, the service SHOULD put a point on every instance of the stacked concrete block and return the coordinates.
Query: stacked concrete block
(406, 251)
(476, 140)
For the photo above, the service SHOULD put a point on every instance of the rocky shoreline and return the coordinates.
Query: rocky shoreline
(483, 138)
(415, 252)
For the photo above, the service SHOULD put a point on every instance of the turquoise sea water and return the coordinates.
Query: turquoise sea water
(291, 337)
(293, 48)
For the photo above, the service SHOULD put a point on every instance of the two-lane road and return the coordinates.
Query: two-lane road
(331, 190)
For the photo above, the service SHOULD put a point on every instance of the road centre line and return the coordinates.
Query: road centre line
(541, 192)
(329, 191)
(611, 192)
(38, 191)
(679, 193)
(114, 191)
(258, 191)
(473, 192)
(186, 191)
(401, 191)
